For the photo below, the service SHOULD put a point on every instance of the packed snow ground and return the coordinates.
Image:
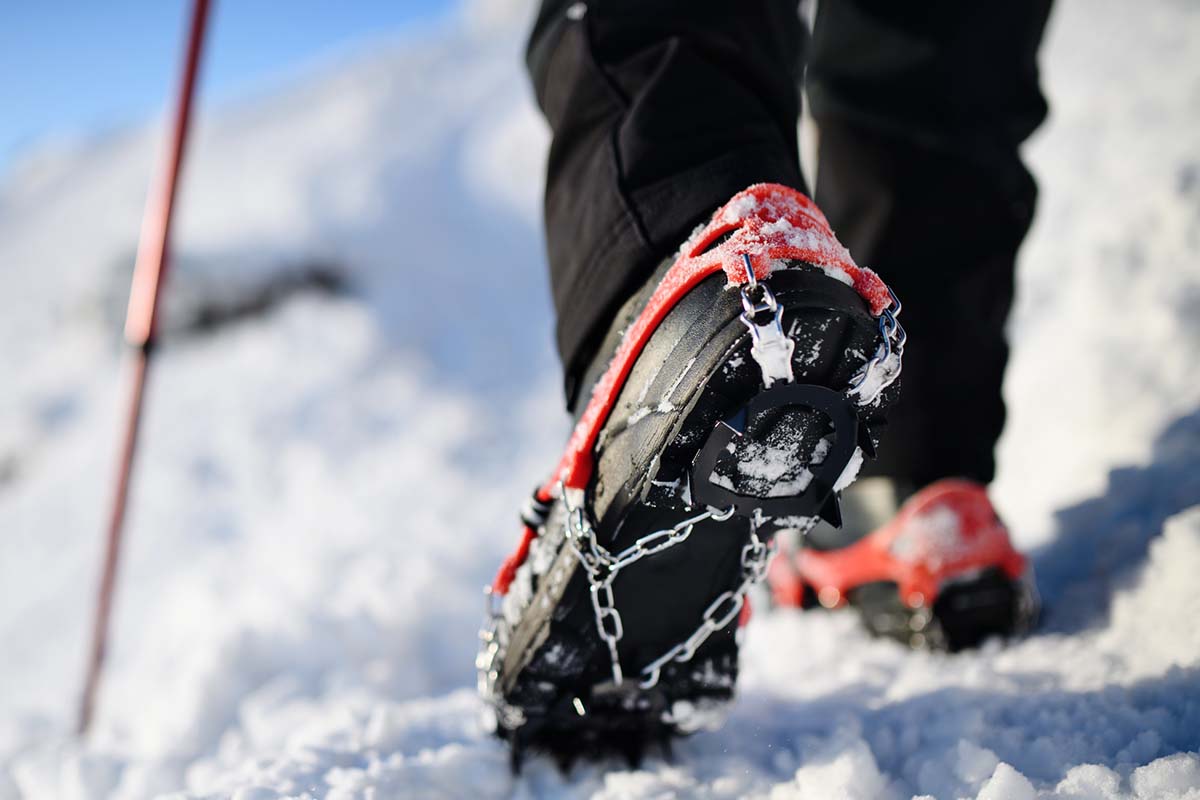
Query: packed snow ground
(325, 486)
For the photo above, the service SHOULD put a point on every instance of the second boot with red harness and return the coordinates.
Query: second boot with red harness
(938, 572)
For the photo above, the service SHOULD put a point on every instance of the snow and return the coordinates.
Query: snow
(1173, 776)
(807, 240)
(1007, 784)
(739, 209)
(878, 377)
(935, 533)
(850, 471)
(325, 487)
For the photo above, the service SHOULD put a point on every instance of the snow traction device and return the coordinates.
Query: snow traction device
(942, 574)
(735, 396)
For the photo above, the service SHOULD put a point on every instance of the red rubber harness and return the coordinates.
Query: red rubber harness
(769, 223)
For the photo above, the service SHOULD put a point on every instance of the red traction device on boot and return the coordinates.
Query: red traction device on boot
(943, 533)
(765, 224)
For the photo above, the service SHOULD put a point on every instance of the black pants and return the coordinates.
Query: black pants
(662, 109)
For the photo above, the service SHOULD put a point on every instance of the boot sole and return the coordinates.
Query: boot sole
(968, 610)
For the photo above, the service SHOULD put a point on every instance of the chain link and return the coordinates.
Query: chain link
(488, 670)
(756, 556)
(602, 567)
(892, 342)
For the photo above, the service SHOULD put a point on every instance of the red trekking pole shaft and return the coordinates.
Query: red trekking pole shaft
(140, 323)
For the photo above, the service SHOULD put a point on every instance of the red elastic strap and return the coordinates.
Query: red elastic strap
(745, 614)
(508, 570)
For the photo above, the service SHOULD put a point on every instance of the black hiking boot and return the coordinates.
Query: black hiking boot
(736, 394)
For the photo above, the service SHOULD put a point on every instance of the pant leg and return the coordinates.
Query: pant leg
(660, 111)
(921, 108)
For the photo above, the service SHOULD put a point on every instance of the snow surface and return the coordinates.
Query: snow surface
(325, 487)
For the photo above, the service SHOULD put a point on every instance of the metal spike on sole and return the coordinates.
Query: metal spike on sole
(831, 512)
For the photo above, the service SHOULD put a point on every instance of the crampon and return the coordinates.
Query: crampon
(736, 394)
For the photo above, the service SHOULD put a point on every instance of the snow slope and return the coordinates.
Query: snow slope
(326, 485)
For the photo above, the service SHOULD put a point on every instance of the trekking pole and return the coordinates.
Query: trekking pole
(140, 320)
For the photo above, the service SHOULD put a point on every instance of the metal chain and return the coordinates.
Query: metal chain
(892, 342)
(487, 668)
(602, 567)
(756, 556)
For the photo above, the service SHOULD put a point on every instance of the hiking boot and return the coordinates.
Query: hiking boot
(735, 395)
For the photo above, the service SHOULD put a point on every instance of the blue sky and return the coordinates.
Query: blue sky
(70, 67)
